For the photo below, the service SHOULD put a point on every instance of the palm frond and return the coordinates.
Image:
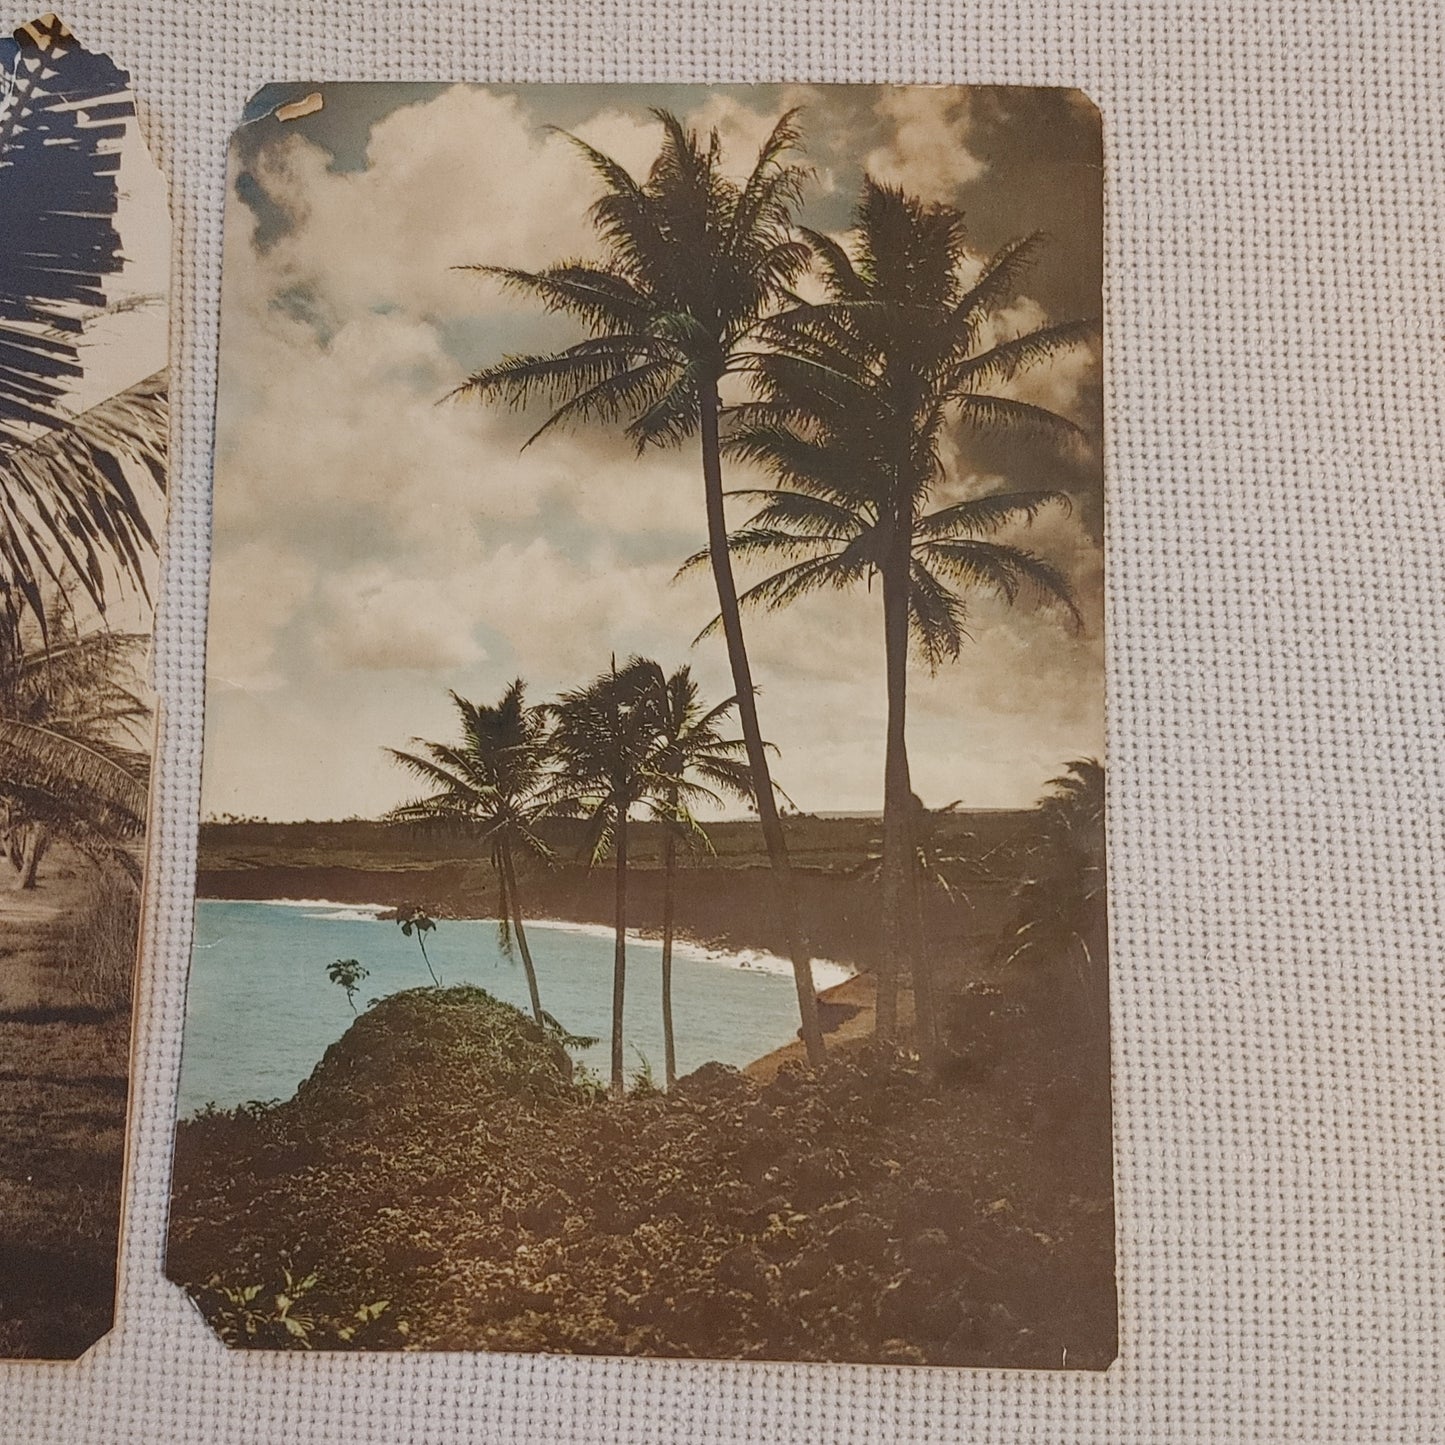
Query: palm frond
(598, 297)
(1003, 569)
(999, 413)
(1006, 360)
(980, 515)
(69, 506)
(63, 113)
(995, 285)
(76, 778)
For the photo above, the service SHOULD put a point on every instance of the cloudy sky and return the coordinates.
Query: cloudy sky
(374, 548)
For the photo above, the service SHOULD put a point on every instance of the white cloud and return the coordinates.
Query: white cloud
(927, 151)
(257, 588)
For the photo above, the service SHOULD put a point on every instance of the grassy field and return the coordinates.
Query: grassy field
(64, 1069)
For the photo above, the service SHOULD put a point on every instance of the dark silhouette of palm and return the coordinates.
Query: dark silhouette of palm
(857, 397)
(495, 782)
(1062, 919)
(696, 261)
(604, 739)
(69, 508)
(693, 766)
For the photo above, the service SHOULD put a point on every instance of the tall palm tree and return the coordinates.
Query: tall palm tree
(693, 765)
(858, 394)
(69, 507)
(497, 782)
(604, 737)
(74, 741)
(695, 262)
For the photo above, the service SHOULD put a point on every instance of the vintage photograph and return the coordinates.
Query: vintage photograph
(84, 252)
(652, 873)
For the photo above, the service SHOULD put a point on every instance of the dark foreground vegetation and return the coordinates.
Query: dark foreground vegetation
(442, 1181)
(66, 953)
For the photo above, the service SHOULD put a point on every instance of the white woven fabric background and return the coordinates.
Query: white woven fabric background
(1276, 312)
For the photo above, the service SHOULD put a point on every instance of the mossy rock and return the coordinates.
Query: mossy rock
(432, 1050)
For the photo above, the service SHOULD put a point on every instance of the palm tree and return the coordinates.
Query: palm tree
(1062, 919)
(695, 262)
(69, 509)
(858, 394)
(604, 737)
(693, 764)
(74, 741)
(496, 781)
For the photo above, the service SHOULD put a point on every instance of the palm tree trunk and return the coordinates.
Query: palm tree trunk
(895, 941)
(35, 845)
(925, 993)
(521, 934)
(772, 826)
(619, 957)
(669, 885)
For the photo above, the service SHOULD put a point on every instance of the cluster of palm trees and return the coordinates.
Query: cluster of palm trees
(634, 741)
(850, 402)
(74, 519)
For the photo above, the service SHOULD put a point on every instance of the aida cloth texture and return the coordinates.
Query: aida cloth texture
(1276, 463)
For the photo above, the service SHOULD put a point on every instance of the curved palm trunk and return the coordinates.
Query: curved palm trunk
(619, 956)
(669, 886)
(727, 596)
(520, 933)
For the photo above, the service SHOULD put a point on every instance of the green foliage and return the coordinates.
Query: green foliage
(564, 1036)
(347, 973)
(644, 1081)
(254, 1317)
(458, 1045)
(416, 922)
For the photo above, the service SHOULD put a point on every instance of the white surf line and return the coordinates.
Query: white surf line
(826, 973)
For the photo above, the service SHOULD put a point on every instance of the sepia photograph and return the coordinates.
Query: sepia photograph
(652, 877)
(84, 256)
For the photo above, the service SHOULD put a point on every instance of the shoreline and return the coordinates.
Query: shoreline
(845, 993)
(828, 973)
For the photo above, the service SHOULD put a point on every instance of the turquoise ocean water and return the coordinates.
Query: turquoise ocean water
(260, 1010)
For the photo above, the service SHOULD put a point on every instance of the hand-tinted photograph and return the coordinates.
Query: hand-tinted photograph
(84, 257)
(652, 873)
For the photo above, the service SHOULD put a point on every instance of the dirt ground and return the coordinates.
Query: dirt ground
(64, 1068)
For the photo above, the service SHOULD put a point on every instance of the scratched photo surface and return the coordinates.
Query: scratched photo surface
(652, 873)
(84, 254)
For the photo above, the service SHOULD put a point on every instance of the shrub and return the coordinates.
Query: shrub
(99, 942)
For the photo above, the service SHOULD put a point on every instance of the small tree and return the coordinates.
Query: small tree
(417, 921)
(347, 973)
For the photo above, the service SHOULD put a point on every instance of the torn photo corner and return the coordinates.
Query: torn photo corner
(84, 267)
(652, 881)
